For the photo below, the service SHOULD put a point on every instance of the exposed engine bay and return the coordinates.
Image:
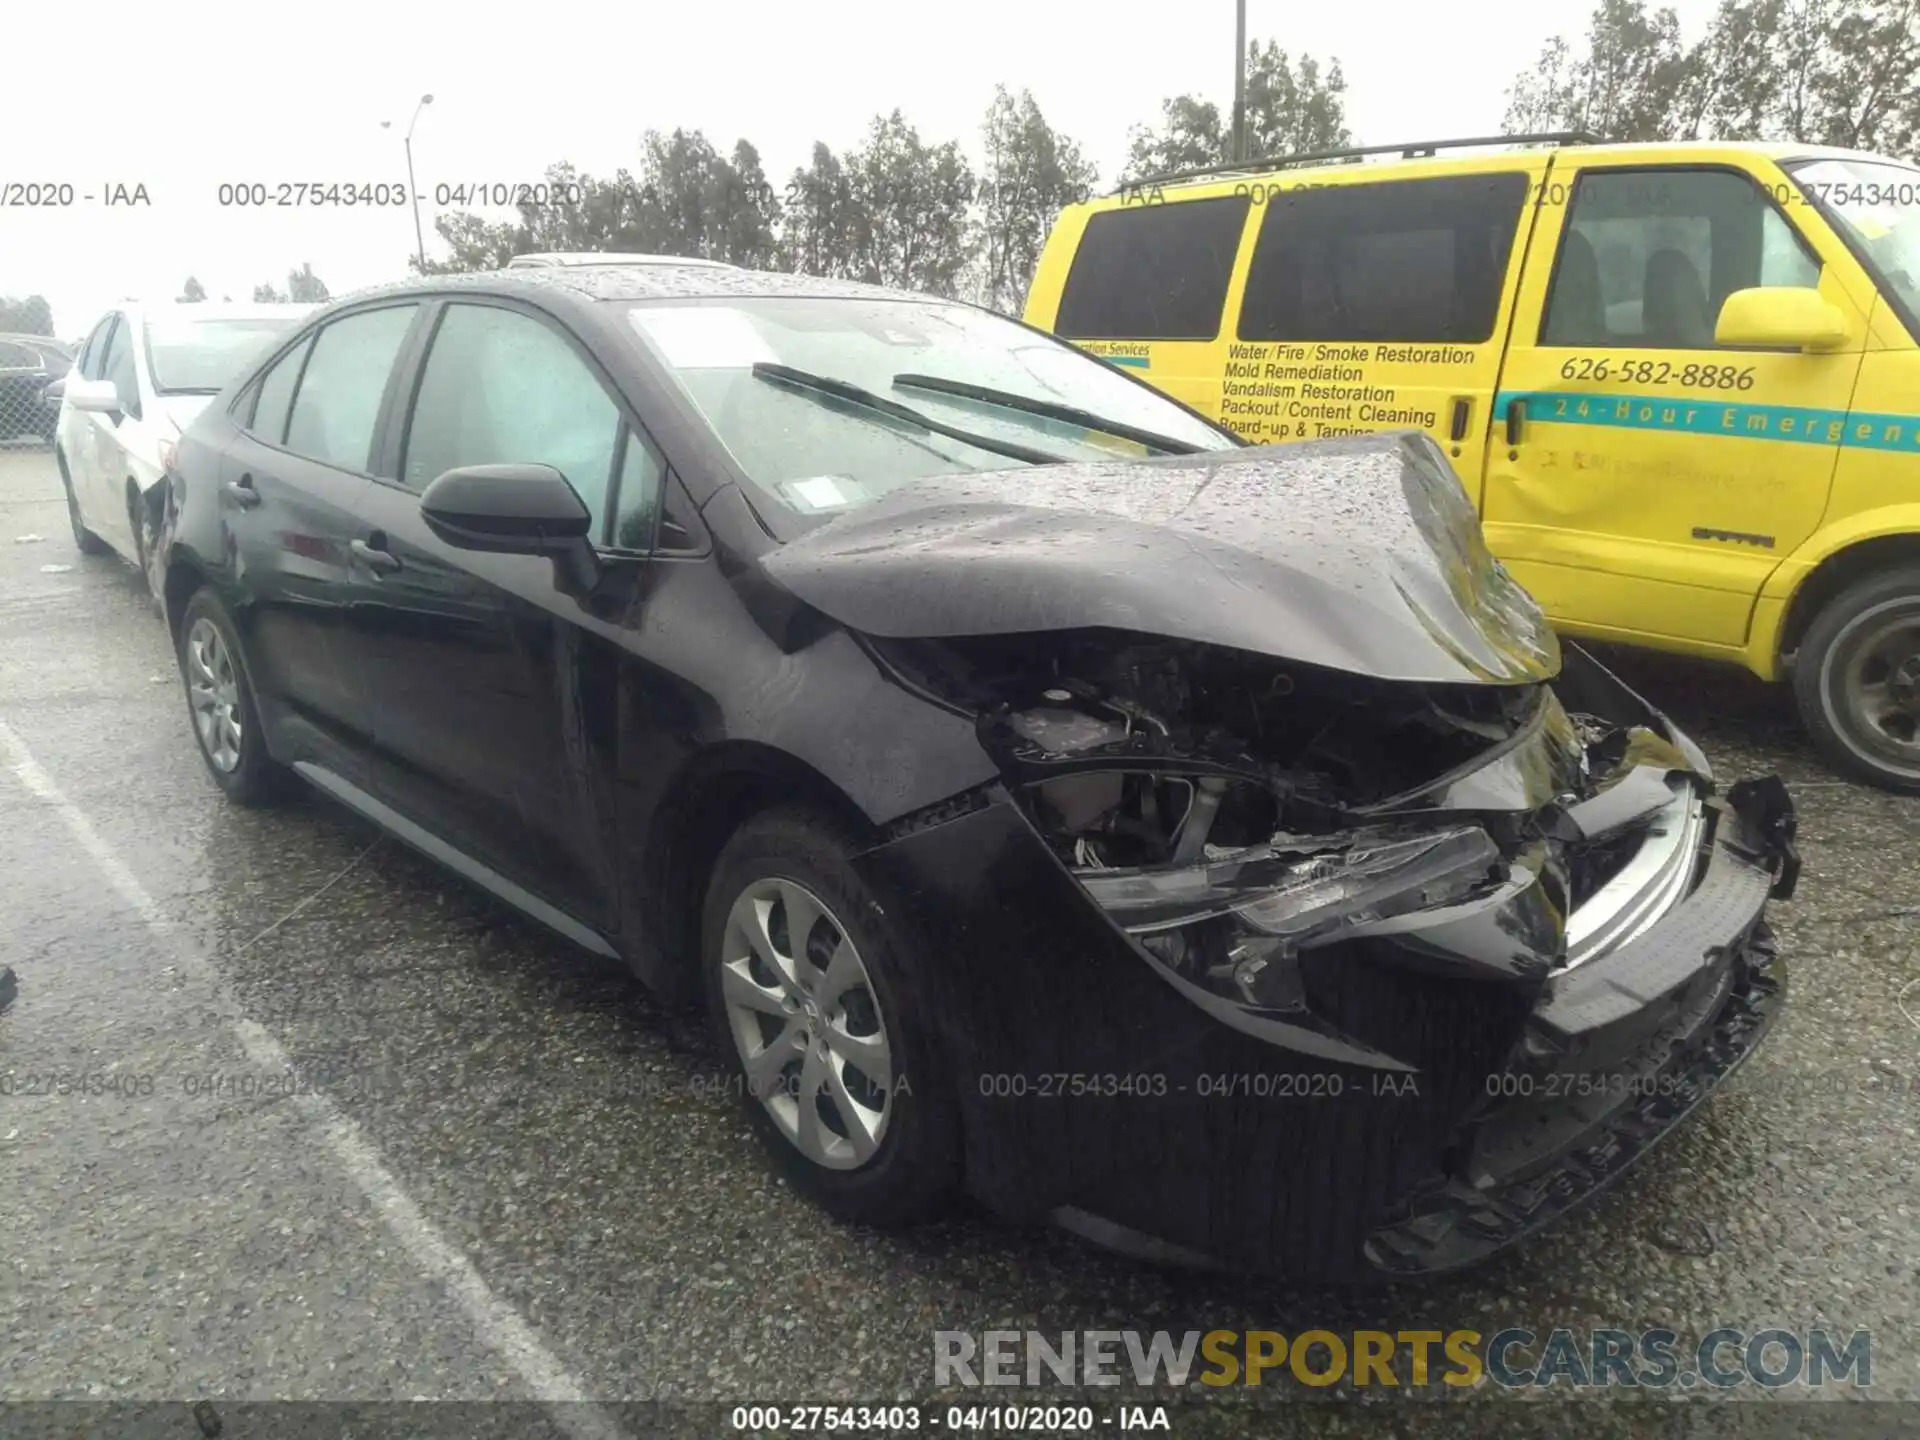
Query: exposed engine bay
(1231, 809)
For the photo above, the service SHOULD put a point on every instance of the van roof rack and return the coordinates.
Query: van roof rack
(1407, 150)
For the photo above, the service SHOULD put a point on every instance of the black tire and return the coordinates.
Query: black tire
(915, 1167)
(1840, 649)
(89, 543)
(257, 778)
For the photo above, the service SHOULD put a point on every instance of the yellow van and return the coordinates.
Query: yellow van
(1680, 382)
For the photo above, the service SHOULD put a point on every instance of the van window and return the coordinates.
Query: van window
(1403, 260)
(1153, 272)
(1650, 255)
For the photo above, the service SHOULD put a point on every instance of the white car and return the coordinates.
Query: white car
(142, 375)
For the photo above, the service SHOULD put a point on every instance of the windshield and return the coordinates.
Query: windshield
(821, 452)
(1877, 205)
(189, 356)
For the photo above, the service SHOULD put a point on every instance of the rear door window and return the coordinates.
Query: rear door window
(1153, 272)
(1415, 261)
(273, 397)
(338, 402)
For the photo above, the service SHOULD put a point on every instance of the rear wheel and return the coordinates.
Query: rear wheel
(89, 543)
(811, 993)
(220, 704)
(1857, 682)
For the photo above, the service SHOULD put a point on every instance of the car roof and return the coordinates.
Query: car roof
(591, 283)
(609, 257)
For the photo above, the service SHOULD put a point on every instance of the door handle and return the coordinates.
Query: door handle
(1462, 411)
(1516, 417)
(242, 493)
(377, 558)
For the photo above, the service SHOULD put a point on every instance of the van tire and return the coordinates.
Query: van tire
(1857, 680)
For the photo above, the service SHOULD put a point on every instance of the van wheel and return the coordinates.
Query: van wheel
(812, 993)
(1857, 683)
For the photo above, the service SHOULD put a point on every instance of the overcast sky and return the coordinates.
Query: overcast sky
(183, 96)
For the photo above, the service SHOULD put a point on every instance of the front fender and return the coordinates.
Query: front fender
(1776, 596)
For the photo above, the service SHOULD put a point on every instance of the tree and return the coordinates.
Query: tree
(31, 316)
(267, 295)
(688, 199)
(1291, 109)
(192, 292)
(822, 224)
(704, 204)
(304, 287)
(910, 208)
(1031, 174)
(749, 211)
(1819, 72)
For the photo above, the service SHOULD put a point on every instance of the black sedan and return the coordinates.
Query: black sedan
(28, 365)
(1207, 848)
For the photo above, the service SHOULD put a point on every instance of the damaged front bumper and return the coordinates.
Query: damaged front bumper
(1412, 1089)
(1614, 1054)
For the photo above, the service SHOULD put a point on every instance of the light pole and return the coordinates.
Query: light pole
(419, 242)
(1239, 81)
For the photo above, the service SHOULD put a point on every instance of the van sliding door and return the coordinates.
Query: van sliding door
(1377, 298)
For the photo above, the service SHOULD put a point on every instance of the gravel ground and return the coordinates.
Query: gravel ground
(522, 1183)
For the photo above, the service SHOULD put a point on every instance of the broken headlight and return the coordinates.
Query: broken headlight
(1232, 921)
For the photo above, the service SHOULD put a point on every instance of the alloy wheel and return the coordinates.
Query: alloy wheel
(213, 687)
(806, 1021)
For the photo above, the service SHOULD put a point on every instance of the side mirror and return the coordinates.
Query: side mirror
(515, 510)
(51, 394)
(100, 396)
(1781, 317)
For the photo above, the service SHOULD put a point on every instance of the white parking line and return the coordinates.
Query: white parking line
(498, 1324)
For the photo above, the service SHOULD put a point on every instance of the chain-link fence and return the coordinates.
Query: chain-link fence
(28, 365)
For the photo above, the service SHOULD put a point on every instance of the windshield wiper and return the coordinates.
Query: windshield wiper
(806, 382)
(1047, 409)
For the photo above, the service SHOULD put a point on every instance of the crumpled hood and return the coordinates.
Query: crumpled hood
(1361, 555)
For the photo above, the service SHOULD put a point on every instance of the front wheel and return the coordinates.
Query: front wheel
(1857, 681)
(811, 990)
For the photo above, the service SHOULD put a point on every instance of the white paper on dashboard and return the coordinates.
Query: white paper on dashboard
(822, 492)
(704, 337)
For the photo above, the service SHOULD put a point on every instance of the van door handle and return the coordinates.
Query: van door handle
(1462, 411)
(242, 493)
(1516, 417)
(375, 556)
